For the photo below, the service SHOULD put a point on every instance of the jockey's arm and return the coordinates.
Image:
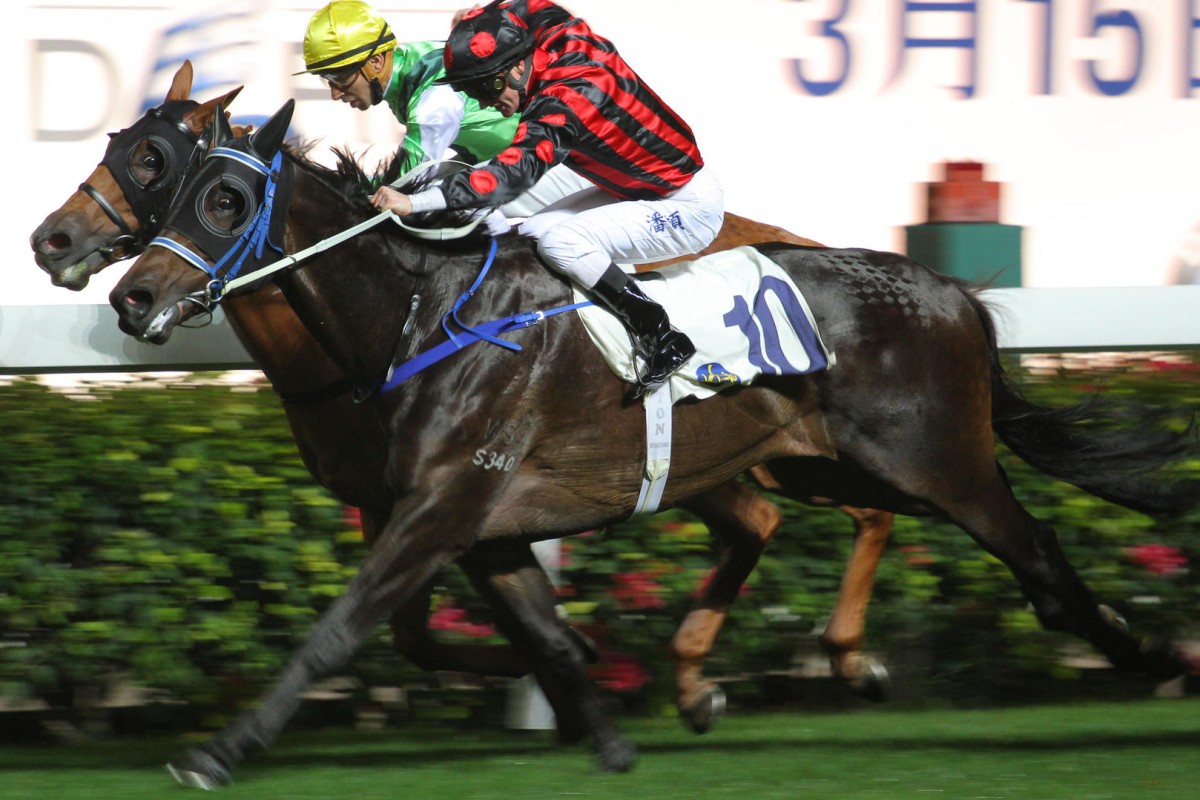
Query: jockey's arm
(434, 123)
(386, 198)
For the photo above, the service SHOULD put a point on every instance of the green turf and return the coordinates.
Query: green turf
(1131, 750)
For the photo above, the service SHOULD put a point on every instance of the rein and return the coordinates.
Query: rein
(256, 235)
(290, 261)
(428, 234)
(255, 238)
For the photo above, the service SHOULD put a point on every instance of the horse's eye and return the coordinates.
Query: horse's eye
(152, 160)
(225, 208)
(147, 163)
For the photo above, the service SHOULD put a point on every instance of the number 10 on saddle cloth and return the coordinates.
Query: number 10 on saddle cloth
(742, 311)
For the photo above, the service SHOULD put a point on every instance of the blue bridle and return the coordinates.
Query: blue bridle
(249, 245)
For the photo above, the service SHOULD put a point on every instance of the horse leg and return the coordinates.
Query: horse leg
(404, 558)
(412, 638)
(843, 634)
(958, 475)
(508, 575)
(842, 638)
(1059, 596)
(398, 565)
(743, 521)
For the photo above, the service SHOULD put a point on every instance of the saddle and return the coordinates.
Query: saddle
(743, 312)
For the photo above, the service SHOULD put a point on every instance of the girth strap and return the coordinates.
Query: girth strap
(658, 449)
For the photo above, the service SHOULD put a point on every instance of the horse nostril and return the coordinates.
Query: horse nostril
(139, 298)
(58, 241)
(134, 303)
(52, 243)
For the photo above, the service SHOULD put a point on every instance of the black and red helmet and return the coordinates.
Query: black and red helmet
(486, 42)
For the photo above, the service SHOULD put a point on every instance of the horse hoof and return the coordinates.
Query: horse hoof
(874, 684)
(866, 677)
(197, 769)
(704, 712)
(1113, 619)
(617, 756)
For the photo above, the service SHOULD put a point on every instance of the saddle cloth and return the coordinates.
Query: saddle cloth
(742, 311)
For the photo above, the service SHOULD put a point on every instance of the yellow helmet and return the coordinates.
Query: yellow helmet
(343, 33)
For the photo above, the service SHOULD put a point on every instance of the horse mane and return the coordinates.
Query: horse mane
(351, 181)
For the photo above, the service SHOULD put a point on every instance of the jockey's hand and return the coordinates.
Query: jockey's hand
(462, 12)
(386, 198)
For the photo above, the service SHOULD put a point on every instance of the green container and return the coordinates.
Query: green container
(981, 252)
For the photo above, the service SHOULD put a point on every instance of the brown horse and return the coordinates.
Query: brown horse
(924, 446)
(121, 205)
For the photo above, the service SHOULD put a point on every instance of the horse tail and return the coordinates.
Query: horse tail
(1114, 448)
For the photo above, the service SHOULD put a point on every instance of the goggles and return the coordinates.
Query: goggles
(342, 79)
(485, 90)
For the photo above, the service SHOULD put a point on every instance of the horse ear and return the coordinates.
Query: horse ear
(267, 140)
(201, 117)
(221, 130)
(181, 84)
(229, 97)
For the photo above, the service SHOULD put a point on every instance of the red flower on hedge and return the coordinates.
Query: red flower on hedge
(916, 555)
(1160, 559)
(452, 619)
(637, 590)
(619, 672)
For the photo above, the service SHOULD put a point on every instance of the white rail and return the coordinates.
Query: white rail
(85, 338)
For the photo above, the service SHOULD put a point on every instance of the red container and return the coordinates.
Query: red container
(963, 195)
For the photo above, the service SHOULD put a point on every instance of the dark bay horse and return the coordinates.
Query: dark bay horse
(924, 445)
(122, 204)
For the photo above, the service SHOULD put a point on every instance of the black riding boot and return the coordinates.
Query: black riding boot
(662, 348)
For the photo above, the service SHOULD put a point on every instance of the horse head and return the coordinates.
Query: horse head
(123, 203)
(219, 224)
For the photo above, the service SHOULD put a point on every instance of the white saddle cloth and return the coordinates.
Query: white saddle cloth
(741, 310)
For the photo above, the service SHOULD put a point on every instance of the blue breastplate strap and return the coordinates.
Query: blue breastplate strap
(452, 314)
(485, 332)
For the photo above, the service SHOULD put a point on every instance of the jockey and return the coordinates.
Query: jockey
(581, 105)
(350, 47)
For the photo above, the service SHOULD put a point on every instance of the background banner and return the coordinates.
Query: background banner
(825, 117)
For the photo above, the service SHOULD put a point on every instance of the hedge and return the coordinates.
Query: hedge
(170, 537)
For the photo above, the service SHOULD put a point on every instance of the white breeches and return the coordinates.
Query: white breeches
(557, 184)
(581, 229)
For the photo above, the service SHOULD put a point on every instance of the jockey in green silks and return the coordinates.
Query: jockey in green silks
(353, 50)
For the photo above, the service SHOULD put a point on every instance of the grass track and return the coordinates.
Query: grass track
(1082, 752)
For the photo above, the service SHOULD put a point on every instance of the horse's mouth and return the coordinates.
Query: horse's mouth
(76, 276)
(159, 329)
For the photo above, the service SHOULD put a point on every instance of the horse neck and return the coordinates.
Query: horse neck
(279, 342)
(353, 297)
